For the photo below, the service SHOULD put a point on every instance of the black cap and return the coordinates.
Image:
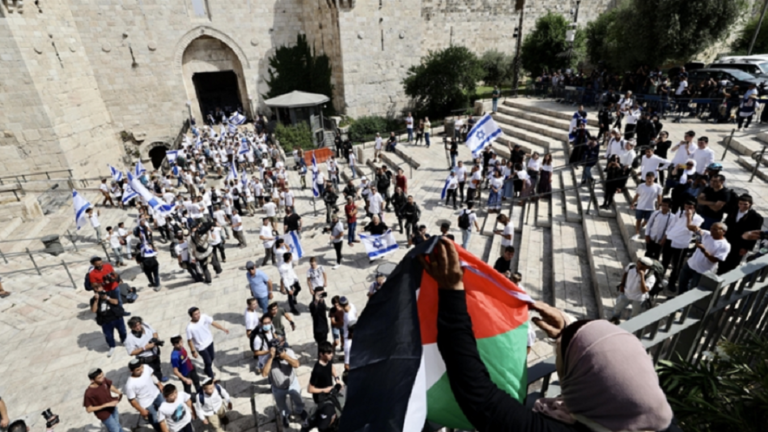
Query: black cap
(94, 259)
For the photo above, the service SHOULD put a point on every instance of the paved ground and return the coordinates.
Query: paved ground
(51, 340)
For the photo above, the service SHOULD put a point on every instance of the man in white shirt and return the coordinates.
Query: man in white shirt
(350, 314)
(637, 281)
(93, 217)
(237, 229)
(627, 156)
(467, 218)
(683, 150)
(267, 236)
(320, 181)
(647, 199)
(508, 233)
(289, 282)
(374, 204)
(615, 144)
(117, 248)
(682, 86)
(652, 163)
(409, 126)
(703, 155)
(377, 147)
(212, 403)
(711, 250)
(251, 316)
(475, 180)
(352, 163)
(143, 392)
(200, 338)
(677, 238)
(461, 177)
(176, 413)
(222, 219)
(656, 227)
(139, 343)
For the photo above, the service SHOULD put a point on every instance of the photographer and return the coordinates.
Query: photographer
(260, 339)
(329, 198)
(203, 252)
(109, 315)
(280, 368)
(143, 343)
(104, 275)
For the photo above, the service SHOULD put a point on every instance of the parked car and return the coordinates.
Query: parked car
(753, 68)
(733, 76)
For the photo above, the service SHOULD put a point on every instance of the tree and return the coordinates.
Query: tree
(600, 46)
(443, 80)
(498, 67)
(299, 68)
(293, 136)
(546, 48)
(740, 46)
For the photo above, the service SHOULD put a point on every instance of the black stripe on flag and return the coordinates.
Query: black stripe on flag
(386, 352)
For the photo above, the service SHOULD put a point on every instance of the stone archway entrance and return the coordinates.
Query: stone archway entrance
(214, 78)
(157, 155)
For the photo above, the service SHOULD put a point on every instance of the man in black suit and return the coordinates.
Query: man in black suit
(739, 222)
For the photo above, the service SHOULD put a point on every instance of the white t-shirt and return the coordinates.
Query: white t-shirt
(377, 146)
(657, 225)
(348, 318)
(682, 154)
(647, 196)
(236, 219)
(176, 414)
(347, 350)
(632, 288)
(683, 85)
(215, 236)
(651, 164)
(287, 274)
(315, 276)
(199, 333)
(220, 217)
(132, 342)
(94, 220)
(182, 250)
(678, 232)
(114, 240)
(719, 248)
(320, 179)
(143, 388)
(251, 319)
(270, 208)
(104, 188)
(509, 229)
(703, 158)
(472, 218)
(266, 232)
(475, 176)
(374, 203)
(288, 198)
(461, 174)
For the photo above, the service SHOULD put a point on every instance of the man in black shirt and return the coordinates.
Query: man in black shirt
(419, 236)
(319, 310)
(411, 213)
(712, 200)
(338, 144)
(350, 191)
(109, 315)
(376, 226)
(398, 202)
(323, 376)
(382, 184)
(329, 197)
(292, 221)
(504, 262)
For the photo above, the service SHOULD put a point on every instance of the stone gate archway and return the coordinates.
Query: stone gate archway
(213, 76)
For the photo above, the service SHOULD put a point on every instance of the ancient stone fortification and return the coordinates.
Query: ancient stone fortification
(79, 74)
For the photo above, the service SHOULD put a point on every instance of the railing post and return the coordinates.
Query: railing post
(757, 163)
(689, 340)
(728, 146)
(4, 258)
(72, 240)
(33, 262)
(47, 175)
(105, 251)
(71, 279)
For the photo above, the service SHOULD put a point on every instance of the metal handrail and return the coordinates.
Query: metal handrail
(24, 176)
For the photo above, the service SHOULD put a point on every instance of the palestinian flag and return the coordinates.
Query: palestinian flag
(397, 376)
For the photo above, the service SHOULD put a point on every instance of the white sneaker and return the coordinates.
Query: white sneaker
(336, 266)
(636, 237)
(111, 351)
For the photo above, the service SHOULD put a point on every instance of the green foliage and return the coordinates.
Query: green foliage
(444, 80)
(654, 32)
(365, 128)
(498, 67)
(726, 393)
(292, 136)
(299, 68)
(545, 46)
(740, 46)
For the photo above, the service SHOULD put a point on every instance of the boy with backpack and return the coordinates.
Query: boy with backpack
(638, 280)
(467, 217)
(212, 404)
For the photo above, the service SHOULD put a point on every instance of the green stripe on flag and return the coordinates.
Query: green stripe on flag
(505, 357)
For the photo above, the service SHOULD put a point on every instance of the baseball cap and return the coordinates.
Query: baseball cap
(249, 265)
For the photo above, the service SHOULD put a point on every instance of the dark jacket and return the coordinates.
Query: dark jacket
(750, 222)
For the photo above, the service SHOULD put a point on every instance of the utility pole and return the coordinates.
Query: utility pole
(757, 30)
(516, 78)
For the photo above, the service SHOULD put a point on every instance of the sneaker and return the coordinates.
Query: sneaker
(157, 288)
(336, 266)
(636, 237)
(164, 379)
(111, 351)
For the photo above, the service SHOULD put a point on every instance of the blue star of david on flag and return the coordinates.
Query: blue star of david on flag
(377, 244)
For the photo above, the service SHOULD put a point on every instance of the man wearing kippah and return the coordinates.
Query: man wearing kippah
(143, 391)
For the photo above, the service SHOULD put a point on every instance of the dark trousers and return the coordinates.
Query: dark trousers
(219, 247)
(409, 227)
(208, 356)
(731, 262)
(194, 272)
(268, 253)
(152, 269)
(154, 363)
(652, 249)
(109, 331)
(400, 222)
(195, 381)
(214, 261)
(461, 191)
(292, 302)
(674, 257)
(337, 246)
(451, 194)
(471, 195)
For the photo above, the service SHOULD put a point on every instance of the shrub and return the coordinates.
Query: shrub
(292, 136)
(365, 128)
(498, 67)
(545, 46)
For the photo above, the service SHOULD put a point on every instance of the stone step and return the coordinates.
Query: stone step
(516, 119)
(8, 227)
(749, 164)
(27, 230)
(572, 284)
(591, 120)
(531, 260)
(516, 131)
(607, 258)
(625, 219)
(544, 212)
(571, 197)
(552, 122)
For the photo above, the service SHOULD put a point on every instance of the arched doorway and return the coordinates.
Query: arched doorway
(214, 79)
(157, 154)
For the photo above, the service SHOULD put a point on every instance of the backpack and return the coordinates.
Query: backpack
(87, 283)
(128, 293)
(201, 395)
(658, 273)
(464, 220)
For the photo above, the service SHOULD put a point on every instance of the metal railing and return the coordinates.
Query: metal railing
(23, 178)
(691, 325)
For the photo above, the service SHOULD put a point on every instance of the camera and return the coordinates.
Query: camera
(323, 294)
(157, 342)
(51, 419)
(278, 345)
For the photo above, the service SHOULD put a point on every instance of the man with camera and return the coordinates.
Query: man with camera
(104, 275)
(260, 340)
(280, 368)
(203, 252)
(109, 315)
(100, 401)
(143, 343)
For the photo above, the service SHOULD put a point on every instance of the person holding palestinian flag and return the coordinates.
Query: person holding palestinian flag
(455, 355)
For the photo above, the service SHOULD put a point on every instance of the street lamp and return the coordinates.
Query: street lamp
(519, 36)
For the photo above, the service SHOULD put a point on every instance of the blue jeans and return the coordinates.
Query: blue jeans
(410, 134)
(426, 138)
(321, 189)
(508, 190)
(263, 303)
(112, 423)
(351, 234)
(587, 174)
(109, 331)
(152, 408)
(688, 279)
(208, 355)
(336, 333)
(453, 160)
(495, 105)
(294, 390)
(354, 172)
(466, 234)
(118, 255)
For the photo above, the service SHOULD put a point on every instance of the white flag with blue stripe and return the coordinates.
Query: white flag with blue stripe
(117, 175)
(128, 194)
(237, 118)
(81, 205)
(171, 155)
(158, 205)
(232, 174)
(315, 188)
(244, 147)
(379, 245)
(291, 238)
(483, 134)
(138, 170)
(445, 187)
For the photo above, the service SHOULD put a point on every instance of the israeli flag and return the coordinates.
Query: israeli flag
(575, 120)
(81, 205)
(237, 118)
(116, 174)
(315, 189)
(157, 204)
(129, 194)
(138, 170)
(379, 245)
(445, 187)
(244, 147)
(222, 131)
(171, 156)
(232, 128)
(232, 175)
(291, 238)
(482, 134)
(195, 132)
(198, 143)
